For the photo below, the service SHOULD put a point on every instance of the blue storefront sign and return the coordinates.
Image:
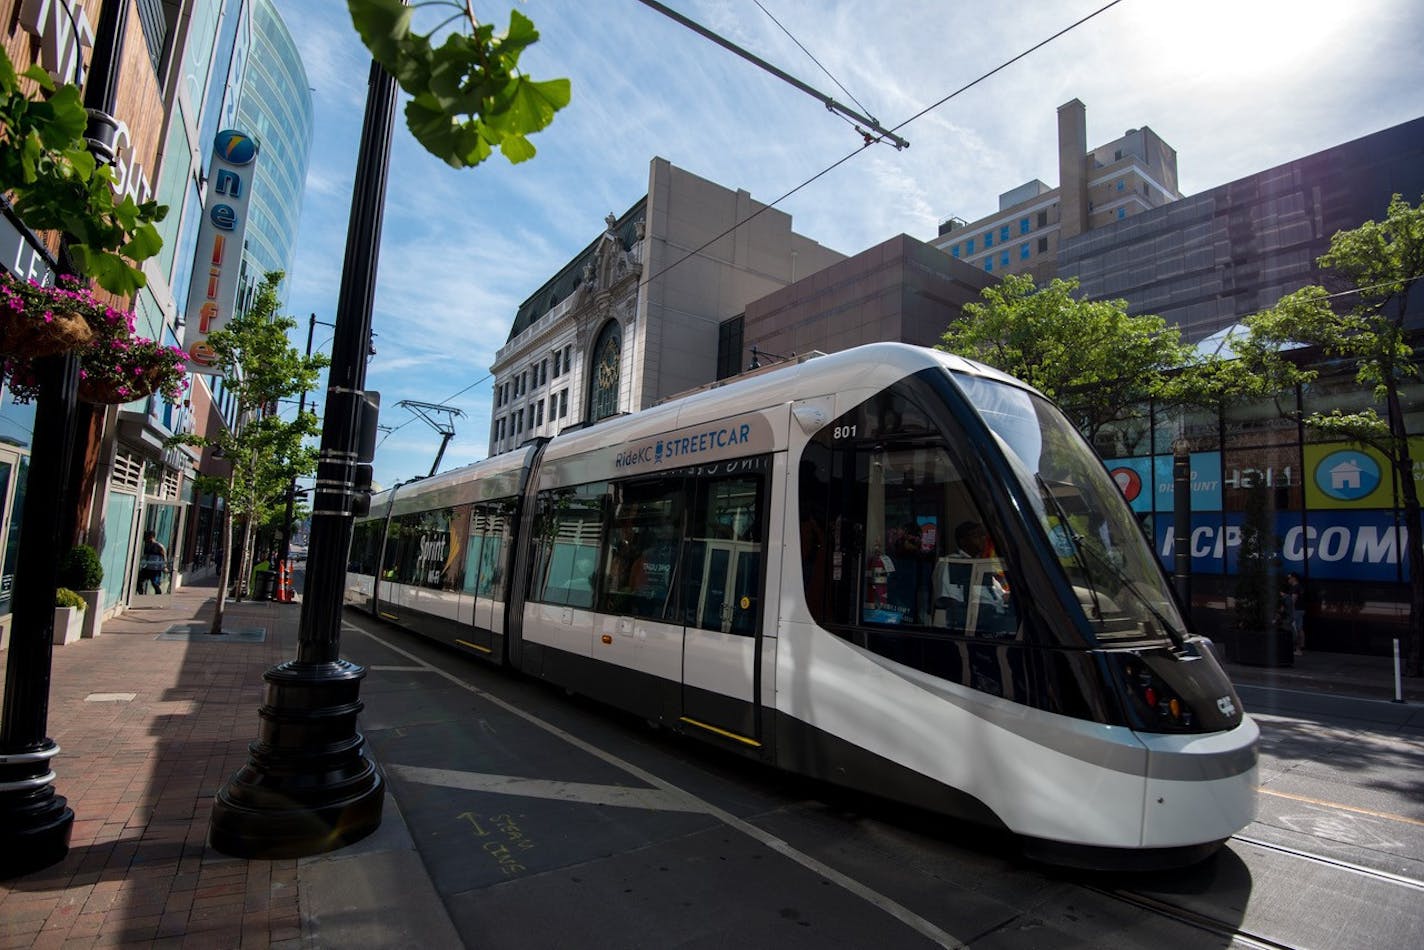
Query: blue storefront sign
(1329, 545)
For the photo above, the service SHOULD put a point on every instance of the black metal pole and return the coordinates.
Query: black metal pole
(1182, 524)
(35, 823)
(307, 788)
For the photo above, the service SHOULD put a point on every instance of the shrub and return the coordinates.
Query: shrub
(64, 597)
(81, 569)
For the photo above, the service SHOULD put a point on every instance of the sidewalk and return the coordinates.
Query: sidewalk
(148, 730)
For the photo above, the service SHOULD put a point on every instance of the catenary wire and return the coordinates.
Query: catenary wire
(803, 49)
(871, 141)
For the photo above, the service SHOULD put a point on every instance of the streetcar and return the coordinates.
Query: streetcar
(889, 568)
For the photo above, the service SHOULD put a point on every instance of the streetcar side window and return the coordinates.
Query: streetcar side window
(568, 528)
(490, 525)
(365, 548)
(891, 536)
(722, 556)
(641, 559)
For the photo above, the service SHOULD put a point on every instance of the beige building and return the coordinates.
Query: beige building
(1111, 183)
(634, 317)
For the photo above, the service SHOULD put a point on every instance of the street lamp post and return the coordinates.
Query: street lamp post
(35, 822)
(307, 788)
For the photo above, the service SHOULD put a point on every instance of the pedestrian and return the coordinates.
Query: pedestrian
(153, 564)
(1295, 598)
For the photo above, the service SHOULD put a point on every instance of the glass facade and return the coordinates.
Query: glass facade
(275, 106)
(1332, 510)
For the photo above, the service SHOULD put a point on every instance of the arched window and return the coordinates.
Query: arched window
(607, 368)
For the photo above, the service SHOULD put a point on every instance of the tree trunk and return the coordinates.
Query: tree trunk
(245, 563)
(223, 563)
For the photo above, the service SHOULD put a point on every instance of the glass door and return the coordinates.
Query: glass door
(155, 558)
(11, 466)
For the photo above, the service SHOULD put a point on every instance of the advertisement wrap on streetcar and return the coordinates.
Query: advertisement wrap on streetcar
(888, 568)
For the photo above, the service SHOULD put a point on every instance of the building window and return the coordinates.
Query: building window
(539, 413)
(988, 239)
(729, 346)
(1043, 219)
(607, 367)
(1023, 226)
(543, 372)
(1023, 251)
(969, 246)
(1004, 259)
(1004, 234)
(1043, 245)
(1121, 213)
(1120, 185)
(954, 251)
(567, 356)
(563, 403)
(556, 363)
(989, 264)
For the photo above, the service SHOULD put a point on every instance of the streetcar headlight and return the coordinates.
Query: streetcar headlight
(1157, 705)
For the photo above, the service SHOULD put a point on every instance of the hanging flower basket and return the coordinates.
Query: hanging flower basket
(24, 336)
(119, 370)
(38, 320)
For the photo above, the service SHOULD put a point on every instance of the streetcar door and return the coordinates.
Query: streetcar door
(724, 557)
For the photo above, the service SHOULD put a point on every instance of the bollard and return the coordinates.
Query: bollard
(1398, 683)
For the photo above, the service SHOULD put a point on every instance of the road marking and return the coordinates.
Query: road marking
(1388, 816)
(893, 908)
(653, 799)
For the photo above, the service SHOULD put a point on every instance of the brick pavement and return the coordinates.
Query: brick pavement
(140, 774)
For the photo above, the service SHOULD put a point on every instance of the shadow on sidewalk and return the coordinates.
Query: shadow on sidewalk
(149, 729)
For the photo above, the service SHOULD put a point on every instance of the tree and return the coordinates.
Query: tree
(1090, 356)
(1377, 264)
(58, 185)
(265, 452)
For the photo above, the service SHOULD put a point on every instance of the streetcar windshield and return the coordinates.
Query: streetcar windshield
(1099, 544)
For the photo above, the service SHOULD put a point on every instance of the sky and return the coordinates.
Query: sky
(1235, 86)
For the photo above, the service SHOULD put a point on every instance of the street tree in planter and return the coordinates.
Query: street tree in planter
(1090, 356)
(260, 368)
(1375, 267)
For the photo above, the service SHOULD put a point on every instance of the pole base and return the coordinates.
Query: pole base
(34, 831)
(306, 789)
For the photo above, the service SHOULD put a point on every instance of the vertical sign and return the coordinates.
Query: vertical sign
(212, 292)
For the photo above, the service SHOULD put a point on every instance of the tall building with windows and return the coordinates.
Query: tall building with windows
(635, 316)
(274, 105)
(181, 76)
(1097, 187)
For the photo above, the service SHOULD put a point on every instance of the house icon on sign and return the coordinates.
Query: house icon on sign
(1345, 476)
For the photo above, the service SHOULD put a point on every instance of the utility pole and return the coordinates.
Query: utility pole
(292, 489)
(307, 788)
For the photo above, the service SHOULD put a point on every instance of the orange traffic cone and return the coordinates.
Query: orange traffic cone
(284, 593)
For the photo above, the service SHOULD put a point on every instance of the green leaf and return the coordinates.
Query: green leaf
(384, 26)
(516, 148)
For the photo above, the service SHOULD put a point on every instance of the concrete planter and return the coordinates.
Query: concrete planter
(68, 625)
(93, 613)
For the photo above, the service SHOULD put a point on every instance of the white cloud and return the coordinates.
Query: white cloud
(1234, 87)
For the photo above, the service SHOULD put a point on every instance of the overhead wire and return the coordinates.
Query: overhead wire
(816, 61)
(918, 115)
(841, 161)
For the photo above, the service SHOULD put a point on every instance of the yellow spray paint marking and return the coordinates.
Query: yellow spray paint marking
(1324, 804)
